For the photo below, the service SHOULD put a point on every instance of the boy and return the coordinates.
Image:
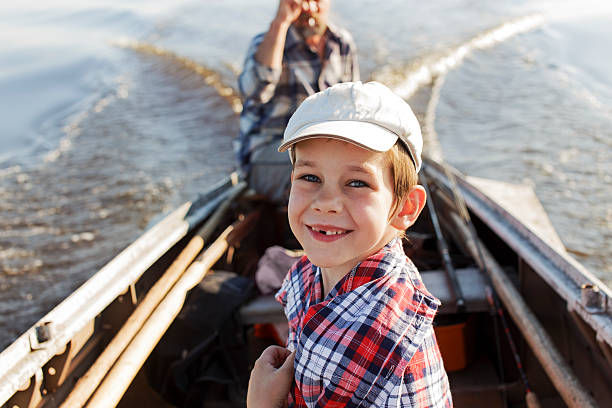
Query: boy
(360, 319)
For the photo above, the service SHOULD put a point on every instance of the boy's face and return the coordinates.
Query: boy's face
(340, 203)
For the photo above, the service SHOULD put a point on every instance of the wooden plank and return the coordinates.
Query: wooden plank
(265, 309)
(472, 284)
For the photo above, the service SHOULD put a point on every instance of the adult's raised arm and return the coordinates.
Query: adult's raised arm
(263, 63)
(270, 51)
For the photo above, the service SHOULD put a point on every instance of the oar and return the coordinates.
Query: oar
(443, 248)
(90, 381)
(119, 378)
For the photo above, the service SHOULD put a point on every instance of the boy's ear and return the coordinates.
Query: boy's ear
(410, 208)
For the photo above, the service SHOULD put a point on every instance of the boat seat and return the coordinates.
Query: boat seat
(262, 309)
(265, 309)
(472, 284)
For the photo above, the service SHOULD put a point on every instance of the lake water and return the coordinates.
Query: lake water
(114, 111)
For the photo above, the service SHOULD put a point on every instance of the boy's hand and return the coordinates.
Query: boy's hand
(271, 378)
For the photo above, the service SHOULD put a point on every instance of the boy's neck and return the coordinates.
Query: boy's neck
(330, 277)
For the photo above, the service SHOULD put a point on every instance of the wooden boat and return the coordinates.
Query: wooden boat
(519, 317)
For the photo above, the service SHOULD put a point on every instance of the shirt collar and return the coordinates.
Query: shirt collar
(372, 268)
(294, 39)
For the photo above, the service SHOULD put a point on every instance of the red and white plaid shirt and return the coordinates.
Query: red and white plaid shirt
(370, 342)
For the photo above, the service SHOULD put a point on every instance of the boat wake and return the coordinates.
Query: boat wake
(73, 129)
(211, 77)
(430, 71)
(405, 81)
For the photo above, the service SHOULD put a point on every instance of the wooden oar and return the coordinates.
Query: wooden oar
(90, 381)
(118, 379)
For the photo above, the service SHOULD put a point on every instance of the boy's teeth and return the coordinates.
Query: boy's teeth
(325, 232)
(330, 232)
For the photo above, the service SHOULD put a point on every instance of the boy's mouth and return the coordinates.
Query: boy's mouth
(325, 233)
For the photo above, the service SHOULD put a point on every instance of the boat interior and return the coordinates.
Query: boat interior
(203, 356)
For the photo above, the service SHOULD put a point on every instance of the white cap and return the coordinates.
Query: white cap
(368, 115)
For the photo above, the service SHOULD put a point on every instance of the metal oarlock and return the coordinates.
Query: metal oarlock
(592, 299)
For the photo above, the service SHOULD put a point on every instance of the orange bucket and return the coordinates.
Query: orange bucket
(456, 343)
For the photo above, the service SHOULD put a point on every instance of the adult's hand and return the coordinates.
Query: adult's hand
(288, 11)
(271, 378)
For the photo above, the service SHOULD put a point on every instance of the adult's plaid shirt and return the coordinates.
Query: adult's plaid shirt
(370, 342)
(271, 96)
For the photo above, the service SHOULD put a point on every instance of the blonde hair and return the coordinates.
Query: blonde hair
(404, 176)
(402, 169)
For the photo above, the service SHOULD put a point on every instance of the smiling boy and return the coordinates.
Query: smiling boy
(360, 319)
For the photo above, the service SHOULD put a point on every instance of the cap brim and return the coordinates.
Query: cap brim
(363, 134)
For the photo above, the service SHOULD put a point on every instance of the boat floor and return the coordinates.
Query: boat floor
(476, 386)
(140, 394)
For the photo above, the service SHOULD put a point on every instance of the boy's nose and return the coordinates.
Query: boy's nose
(327, 200)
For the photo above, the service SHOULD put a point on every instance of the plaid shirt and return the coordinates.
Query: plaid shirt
(271, 96)
(370, 342)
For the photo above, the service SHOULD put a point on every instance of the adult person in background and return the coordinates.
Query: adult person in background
(300, 54)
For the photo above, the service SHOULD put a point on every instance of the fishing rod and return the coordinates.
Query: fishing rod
(493, 301)
(443, 249)
(492, 298)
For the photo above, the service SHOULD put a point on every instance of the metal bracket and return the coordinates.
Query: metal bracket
(40, 336)
(592, 299)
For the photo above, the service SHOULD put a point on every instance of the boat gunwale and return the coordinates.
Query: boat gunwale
(561, 272)
(22, 358)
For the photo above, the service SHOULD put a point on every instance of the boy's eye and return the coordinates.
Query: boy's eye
(310, 178)
(357, 183)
